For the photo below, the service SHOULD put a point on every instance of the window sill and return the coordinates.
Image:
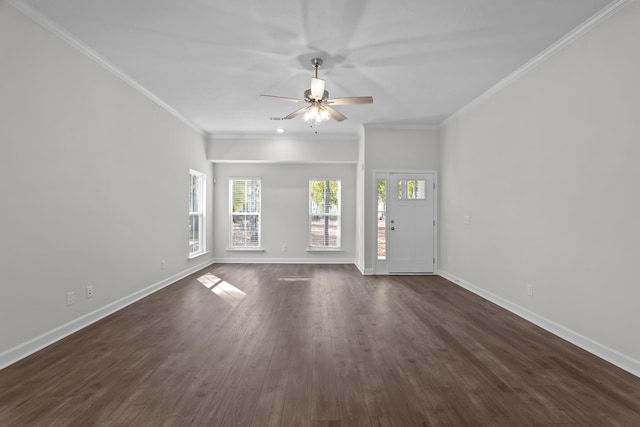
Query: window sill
(196, 255)
(312, 249)
(245, 249)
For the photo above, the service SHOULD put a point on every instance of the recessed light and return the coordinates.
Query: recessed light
(280, 130)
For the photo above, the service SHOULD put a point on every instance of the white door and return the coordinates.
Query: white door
(411, 225)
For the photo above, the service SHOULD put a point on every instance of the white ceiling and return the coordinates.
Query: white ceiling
(209, 60)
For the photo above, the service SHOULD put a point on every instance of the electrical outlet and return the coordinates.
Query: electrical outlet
(89, 291)
(284, 248)
(530, 290)
(71, 298)
(162, 264)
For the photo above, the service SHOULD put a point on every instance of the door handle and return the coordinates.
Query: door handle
(393, 228)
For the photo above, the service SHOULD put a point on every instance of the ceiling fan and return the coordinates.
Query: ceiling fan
(319, 106)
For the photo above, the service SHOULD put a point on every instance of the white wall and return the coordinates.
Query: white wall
(93, 183)
(285, 164)
(547, 171)
(283, 149)
(392, 149)
(285, 211)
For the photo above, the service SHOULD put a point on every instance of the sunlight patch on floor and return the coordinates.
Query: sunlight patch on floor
(229, 293)
(294, 279)
(209, 280)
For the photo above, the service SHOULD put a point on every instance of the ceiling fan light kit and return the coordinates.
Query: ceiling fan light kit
(316, 114)
(317, 97)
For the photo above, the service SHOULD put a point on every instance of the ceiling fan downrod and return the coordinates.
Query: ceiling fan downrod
(317, 62)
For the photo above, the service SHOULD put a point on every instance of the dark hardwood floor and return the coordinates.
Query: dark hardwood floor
(315, 345)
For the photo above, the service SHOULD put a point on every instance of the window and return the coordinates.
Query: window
(324, 213)
(196, 213)
(411, 189)
(244, 208)
(382, 220)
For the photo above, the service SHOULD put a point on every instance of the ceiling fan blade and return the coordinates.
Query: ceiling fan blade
(335, 114)
(351, 100)
(295, 113)
(286, 99)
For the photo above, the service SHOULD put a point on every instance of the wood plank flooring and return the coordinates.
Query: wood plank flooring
(315, 345)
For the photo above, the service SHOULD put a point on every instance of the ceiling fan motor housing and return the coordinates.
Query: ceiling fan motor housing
(308, 98)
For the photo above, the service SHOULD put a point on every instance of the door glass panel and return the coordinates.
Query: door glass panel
(412, 189)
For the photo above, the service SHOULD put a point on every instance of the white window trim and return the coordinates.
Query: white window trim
(338, 247)
(202, 235)
(246, 249)
(231, 247)
(323, 249)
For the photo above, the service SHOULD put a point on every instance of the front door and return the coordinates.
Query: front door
(411, 225)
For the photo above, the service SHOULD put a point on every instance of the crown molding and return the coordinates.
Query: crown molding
(566, 40)
(405, 126)
(284, 162)
(56, 30)
(585, 27)
(282, 136)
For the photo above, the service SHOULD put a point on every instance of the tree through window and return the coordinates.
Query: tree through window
(244, 207)
(324, 213)
(196, 213)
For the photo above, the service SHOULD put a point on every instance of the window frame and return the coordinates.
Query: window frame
(200, 213)
(337, 214)
(258, 214)
(381, 216)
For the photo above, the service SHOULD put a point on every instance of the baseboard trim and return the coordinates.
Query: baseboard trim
(612, 356)
(284, 261)
(364, 271)
(25, 349)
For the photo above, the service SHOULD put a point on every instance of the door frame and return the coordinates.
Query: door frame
(381, 267)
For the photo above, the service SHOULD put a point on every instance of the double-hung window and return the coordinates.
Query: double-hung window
(196, 213)
(324, 213)
(244, 212)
